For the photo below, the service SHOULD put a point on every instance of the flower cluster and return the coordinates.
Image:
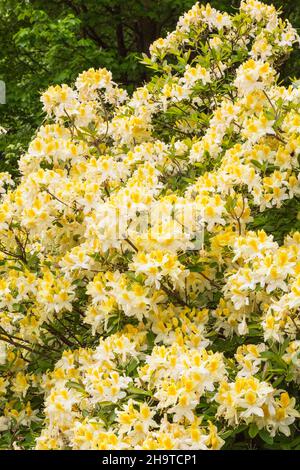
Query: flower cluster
(150, 251)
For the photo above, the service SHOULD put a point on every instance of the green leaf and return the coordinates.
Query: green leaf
(77, 386)
(138, 391)
(263, 433)
(257, 164)
(253, 430)
(132, 366)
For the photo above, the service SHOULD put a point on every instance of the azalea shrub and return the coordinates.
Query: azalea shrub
(150, 252)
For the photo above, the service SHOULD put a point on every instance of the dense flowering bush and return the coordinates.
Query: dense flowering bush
(150, 258)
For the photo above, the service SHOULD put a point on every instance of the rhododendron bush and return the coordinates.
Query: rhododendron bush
(149, 254)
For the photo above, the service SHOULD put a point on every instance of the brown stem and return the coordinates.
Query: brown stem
(131, 244)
